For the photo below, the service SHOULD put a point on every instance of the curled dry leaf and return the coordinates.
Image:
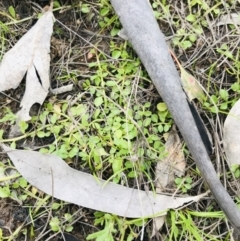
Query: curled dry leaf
(158, 222)
(233, 18)
(172, 165)
(231, 136)
(169, 167)
(53, 176)
(190, 85)
(30, 57)
(59, 47)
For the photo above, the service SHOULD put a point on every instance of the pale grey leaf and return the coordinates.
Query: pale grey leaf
(31, 56)
(233, 18)
(53, 176)
(231, 136)
(158, 222)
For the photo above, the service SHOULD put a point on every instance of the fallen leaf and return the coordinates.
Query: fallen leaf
(233, 18)
(172, 165)
(59, 47)
(158, 222)
(190, 85)
(231, 137)
(30, 57)
(53, 176)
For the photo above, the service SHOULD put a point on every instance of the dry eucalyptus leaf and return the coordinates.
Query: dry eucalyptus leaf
(53, 176)
(233, 18)
(158, 222)
(31, 57)
(172, 165)
(191, 86)
(231, 136)
(169, 167)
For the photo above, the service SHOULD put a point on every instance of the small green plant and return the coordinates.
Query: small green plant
(65, 224)
(106, 132)
(164, 117)
(85, 8)
(115, 228)
(7, 116)
(5, 192)
(108, 232)
(184, 183)
(183, 225)
(55, 224)
(221, 101)
(235, 170)
(56, 4)
(10, 182)
(12, 12)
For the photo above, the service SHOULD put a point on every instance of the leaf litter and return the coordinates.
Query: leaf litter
(172, 165)
(190, 85)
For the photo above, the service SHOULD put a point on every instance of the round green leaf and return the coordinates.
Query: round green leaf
(117, 165)
(116, 54)
(98, 101)
(161, 106)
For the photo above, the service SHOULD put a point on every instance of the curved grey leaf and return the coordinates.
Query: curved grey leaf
(231, 136)
(30, 56)
(53, 176)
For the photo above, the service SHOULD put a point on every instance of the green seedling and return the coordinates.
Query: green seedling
(184, 183)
